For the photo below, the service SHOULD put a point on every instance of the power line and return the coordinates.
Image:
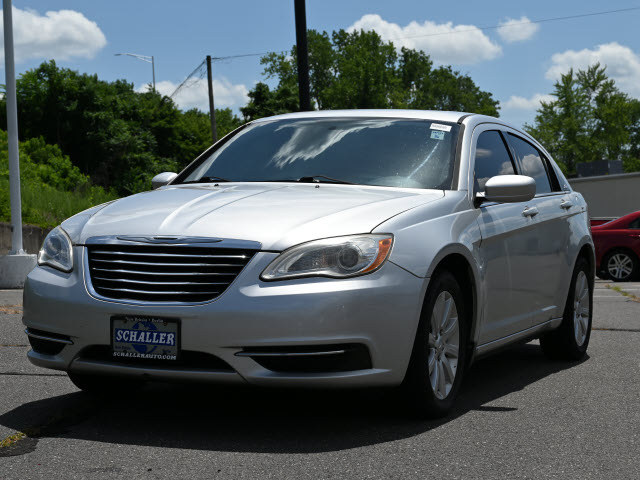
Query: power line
(198, 71)
(529, 22)
(245, 55)
(490, 27)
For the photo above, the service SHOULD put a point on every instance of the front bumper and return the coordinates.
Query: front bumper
(380, 311)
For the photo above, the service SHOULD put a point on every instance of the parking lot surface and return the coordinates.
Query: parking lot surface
(519, 416)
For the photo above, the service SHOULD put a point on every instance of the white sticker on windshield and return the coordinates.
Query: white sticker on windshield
(439, 126)
(437, 135)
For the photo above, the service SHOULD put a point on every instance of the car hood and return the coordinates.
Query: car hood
(276, 215)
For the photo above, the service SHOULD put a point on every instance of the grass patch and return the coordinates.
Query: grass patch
(11, 439)
(618, 289)
(11, 309)
(46, 206)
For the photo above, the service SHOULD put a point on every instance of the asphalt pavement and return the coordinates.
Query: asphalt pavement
(519, 416)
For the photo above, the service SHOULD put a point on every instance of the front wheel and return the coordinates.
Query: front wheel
(571, 339)
(439, 352)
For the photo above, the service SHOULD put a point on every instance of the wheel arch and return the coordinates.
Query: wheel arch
(462, 268)
(588, 253)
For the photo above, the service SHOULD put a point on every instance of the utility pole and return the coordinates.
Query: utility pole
(153, 72)
(303, 55)
(15, 266)
(212, 110)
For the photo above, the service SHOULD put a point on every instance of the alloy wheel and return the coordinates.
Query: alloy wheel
(581, 310)
(620, 266)
(444, 345)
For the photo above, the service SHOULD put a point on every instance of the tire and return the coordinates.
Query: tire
(440, 349)
(571, 339)
(104, 386)
(620, 265)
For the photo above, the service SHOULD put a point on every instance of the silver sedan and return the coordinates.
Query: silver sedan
(323, 249)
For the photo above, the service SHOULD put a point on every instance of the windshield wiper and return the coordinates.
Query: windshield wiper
(314, 179)
(208, 180)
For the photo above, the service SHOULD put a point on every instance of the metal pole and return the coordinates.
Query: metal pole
(212, 110)
(303, 55)
(12, 131)
(153, 70)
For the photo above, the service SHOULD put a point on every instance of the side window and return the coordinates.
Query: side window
(492, 158)
(555, 183)
(531, 163)
(635, 225)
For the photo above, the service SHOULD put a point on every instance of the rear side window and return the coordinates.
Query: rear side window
(635, 225)
(492, 158)
(531, 163)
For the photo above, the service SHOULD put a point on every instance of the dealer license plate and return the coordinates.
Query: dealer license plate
(145, 338)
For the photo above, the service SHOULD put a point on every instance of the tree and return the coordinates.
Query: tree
(359, 70)
(119, 137)
(590, 119)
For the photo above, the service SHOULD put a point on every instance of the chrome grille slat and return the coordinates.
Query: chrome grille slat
(163, 273)
(149, 292)
(152, 282)
(173, 255)
(140, 272)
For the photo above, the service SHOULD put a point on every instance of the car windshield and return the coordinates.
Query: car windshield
(366, 151)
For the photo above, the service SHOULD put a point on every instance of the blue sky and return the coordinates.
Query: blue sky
(518, 64)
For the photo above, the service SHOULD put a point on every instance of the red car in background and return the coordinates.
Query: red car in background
(618, 248)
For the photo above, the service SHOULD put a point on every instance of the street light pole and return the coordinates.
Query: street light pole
(14, 267)
(144, 58)
(12, 131)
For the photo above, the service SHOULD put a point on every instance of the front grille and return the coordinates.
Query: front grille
(164, 273)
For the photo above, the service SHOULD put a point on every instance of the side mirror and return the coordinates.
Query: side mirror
(162, 179)
(509, 189)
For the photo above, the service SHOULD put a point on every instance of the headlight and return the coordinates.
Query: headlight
(338, 257)
(57, 251)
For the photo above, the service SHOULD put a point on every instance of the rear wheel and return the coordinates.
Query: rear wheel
(105, 386)
(620, 265)
(571, 339)
(439, 352)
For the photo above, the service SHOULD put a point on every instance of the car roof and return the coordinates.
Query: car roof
(452, 117)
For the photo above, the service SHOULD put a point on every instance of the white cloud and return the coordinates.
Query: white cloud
(444, 42)
(196, 93)
(61, 34)
(623, 64)
(516, 102)
(517, 30)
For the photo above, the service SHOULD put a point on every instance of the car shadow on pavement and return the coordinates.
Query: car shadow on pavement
(244, 419)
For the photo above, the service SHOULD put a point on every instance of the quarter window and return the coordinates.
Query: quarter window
(531, 163)
(492, 158)
(635, 225)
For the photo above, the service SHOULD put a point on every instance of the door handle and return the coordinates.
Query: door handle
(530, 211)
(566, 204)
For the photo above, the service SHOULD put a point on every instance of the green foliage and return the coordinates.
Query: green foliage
(118, 136)
(52, 188)
(359, 70)
(590, 119)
